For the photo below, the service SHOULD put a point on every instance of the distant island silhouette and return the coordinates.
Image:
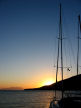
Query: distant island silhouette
(12, 88)
(72, 83)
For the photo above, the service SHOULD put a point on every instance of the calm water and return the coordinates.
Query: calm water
(26, 99)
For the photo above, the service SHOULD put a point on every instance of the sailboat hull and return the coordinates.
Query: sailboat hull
(69, 102)
(54, 104)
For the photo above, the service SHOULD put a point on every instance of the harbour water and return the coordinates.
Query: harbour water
(26, 99)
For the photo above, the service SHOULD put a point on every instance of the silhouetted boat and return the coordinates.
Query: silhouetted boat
(69, 102)
(66, 101)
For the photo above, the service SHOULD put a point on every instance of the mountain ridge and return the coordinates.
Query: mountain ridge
(72, 83)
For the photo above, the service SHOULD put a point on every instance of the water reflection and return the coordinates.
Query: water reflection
(26, 99)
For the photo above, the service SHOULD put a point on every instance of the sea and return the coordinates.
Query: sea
(26, 99)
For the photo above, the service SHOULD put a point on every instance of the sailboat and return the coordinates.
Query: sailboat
(65, 102)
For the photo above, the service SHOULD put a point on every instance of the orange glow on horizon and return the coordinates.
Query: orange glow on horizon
(28, 85)
(36, 81)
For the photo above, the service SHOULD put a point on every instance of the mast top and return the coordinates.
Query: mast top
(79, 18)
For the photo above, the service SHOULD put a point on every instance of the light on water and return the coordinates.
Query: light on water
(25, 99)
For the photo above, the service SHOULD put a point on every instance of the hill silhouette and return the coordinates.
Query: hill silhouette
(72, 83)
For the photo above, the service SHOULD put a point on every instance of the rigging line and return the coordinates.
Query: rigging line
(61, 39)
(66, 43)
(58, 52)
(57, 65)
(69, 50)
(78, 45)
(60, 1)
(55, 50)
(57, 59)
(65, 53)
(69, 56)
(79, 22)
(72, 51)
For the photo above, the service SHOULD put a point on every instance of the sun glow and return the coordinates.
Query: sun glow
(49, 82)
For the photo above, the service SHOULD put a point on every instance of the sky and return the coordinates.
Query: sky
(28, 41)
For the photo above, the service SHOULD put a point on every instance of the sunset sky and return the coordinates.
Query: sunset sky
(28, 41)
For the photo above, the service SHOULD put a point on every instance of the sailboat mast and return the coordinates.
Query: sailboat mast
(78, 45)
(61, 38)
(57, 63)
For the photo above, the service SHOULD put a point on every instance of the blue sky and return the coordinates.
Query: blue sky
(28, 39)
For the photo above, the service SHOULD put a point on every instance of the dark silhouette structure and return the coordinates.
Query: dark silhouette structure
(72, 83)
